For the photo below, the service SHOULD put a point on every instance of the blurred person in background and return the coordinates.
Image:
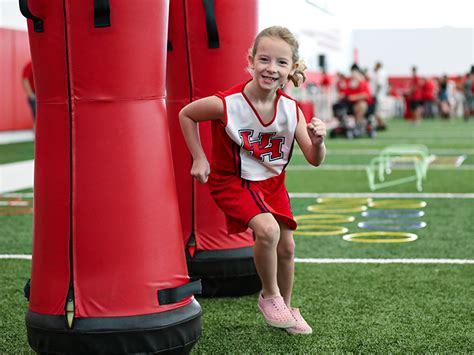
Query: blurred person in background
(341, 86)
(379, 91)
(325, 100)
(340, 126)
(326, 81)
(365, 72)
(443, 97)
(416, 96)
(429, 98)
(468, 90)
(399, 101)
(341, 103)
(340, 106)
(28, 83)
(457, 93)
(359, 98)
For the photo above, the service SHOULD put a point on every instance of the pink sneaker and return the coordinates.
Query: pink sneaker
(301, 326)
(275, 312)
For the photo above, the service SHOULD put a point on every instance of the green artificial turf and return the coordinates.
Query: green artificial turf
(335, 158)
(435, 134)
(354, 308)
(448, 234)
(15, 234)
(13, 306)
(10, 153)
(364, 309)
(318, 181)
(463, 143)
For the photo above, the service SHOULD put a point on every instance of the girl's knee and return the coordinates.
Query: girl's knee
(269, 233)
(286, 249)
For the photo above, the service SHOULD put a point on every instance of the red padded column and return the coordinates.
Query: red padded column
(195, 71)
(178, 94)
(51, 270)
(107, 233)
(125, 210)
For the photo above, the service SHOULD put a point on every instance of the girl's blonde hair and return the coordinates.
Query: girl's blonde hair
(298, 77)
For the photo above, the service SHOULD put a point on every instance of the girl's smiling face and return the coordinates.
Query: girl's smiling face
(272, 63)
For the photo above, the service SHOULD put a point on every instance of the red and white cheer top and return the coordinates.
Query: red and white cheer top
(246, 146)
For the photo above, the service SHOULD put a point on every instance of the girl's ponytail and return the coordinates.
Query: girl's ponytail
(298, 77)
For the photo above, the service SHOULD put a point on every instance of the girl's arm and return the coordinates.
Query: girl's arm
(310, 138)
(206, 109)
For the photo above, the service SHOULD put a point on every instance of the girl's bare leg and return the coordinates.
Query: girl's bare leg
(267, 235)
(286, 262)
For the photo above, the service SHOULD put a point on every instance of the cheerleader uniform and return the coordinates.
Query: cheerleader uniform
(249, 158)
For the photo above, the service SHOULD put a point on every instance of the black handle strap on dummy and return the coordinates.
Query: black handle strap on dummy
(26, 290)
(101, 13)
(211, 25)
(176, 294)
(25, 11)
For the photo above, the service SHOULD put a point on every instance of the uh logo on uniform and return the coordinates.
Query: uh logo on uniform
(266, 144)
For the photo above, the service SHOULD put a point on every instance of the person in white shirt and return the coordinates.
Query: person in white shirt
(379, 91)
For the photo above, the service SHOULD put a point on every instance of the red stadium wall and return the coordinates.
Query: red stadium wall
(14, 54)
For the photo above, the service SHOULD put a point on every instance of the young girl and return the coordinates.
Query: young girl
(254, 126)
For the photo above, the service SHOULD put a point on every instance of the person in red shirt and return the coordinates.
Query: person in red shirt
(340, 108)
(416, 96)
(326, 81)
(351, 108)
(341, 85)
(358, 95)
(29, 86)
(428, 92)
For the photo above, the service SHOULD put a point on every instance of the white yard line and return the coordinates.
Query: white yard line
(363, 167)
(370, 151)
(384, 261)
(381, 195)
(325, 261)
(16, 256)
(9, 137)
(16, 176)
(18, 194)
(308, 167)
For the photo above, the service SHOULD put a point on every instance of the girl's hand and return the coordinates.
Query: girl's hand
(200, 170)
(316, 131)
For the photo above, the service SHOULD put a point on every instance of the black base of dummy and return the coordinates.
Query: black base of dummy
(229, 272)
(171, 332)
